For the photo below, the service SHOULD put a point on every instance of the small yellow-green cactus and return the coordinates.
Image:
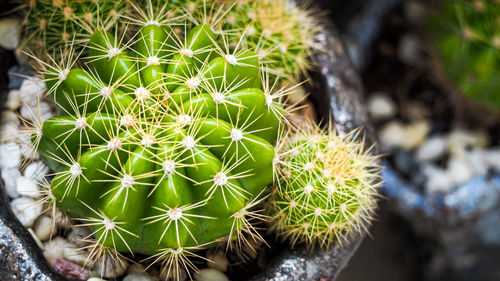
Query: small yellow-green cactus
(327, 186)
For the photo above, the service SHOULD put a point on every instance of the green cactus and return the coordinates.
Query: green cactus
(467, 39)
(163, 145)
(50, 25)
(327, 187)
(279, 31)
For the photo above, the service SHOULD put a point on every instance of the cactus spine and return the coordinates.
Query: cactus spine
(327, 186)
(466, 36)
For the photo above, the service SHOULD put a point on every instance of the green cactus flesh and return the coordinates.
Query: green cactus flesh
(163, 144)
(467, 39)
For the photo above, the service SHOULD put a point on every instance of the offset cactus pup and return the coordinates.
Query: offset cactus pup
(344, 97)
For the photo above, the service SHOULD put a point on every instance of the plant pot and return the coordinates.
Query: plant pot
(335, 94)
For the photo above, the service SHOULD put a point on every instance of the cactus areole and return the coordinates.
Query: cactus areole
(161, 145)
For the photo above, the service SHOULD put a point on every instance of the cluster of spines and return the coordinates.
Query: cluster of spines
(466, 36)
(53, 25)
(326, 188)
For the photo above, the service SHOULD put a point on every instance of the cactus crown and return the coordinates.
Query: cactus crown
(164, 144)
(327, 187)
(467, 39)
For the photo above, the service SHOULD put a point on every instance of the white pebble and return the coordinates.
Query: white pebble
(54, 249)
(492, 158)
(36, 113)
(433, 148)
(138, 276)
(10, 155)
(459, 170)
(395, 134)
(27, 187)
(380, 106)
(438, 180)
(26, 210)
(44, 228)
(110, 267)
(10, 117)
(10, 33)
(96, 279)
(62, 220)
(410, 49)
(477, 164)
(36, 171)
(210, 275)
(217, 260)
(9, 177)
(31, 91)
(460, 140)
(78, 235)
(392, 134)
(13, 101)
(28, 149)
(37, 241)
(77, 255)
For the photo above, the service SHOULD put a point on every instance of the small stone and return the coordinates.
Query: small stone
(381, 106)
(459, 141)
(110, 267)
(13, 101)
(492, 158)
(9, 177)
(27, 187)
(459, 170)
(432, 149)
(28, 149)
(70, 270)
(26, 210)
(36, 113)
(210, 275)
(37, 241)
(10, 155)
(54, 249)
(395, 134)
(76, 255)
(10, 33)
(415, 11)
(476, 162)
(136, 268)
(217, 260)
(31, 91)
(78, 235)
(438, 180)
(392, 134)
(44, 228)
(138, 277)
(62, 220)
(36, 171)
(410, 50)
(95, 279)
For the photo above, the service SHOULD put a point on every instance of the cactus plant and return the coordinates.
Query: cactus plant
(465, 34)
(163, 145)
(327, 186)
(51, 25)
(279, 31)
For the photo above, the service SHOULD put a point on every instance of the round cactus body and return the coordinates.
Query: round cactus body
(162, 146)
(327, 187)
(467, 39)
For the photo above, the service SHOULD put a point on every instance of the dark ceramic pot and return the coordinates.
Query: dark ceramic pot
(335, 94)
